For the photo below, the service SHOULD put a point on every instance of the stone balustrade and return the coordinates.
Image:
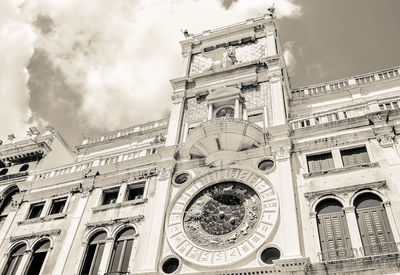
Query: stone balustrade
(101, 161)
(340, 85)
(329, 117)
(138, 129)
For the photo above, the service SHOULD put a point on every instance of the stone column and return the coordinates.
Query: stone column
(106, 255)
(270, 49)
(354, 232)
(8, 222)
(278, 101)
(155, 234)
(317, 245)
(337, 158)
(210, 111)
(266, 122)
(237, 108)
(175, 120)
(392, 221)
(71, 233)
(24, 262)
(122, 192)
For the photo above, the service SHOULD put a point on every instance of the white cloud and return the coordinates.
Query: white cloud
(288, 54)
(120, 54)
(16, 49)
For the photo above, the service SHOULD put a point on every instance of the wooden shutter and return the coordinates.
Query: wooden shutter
(334, 235)
(374, 228)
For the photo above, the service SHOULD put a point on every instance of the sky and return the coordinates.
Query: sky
(88, 67)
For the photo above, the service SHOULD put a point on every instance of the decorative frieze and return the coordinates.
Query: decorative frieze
(134, 219)
(53, 232)
(344, 190)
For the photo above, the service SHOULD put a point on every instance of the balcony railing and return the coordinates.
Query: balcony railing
(228, 119)
(336, 254)
(117, 273)
(381, 249)
(385, 248)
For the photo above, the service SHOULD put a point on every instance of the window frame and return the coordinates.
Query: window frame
(125, 241)
(355, 147)
(135, 185)
(63, 210)
(316, 154)
(113, 189)
(32, 254)
(31, 206)
(15, 265)
(97, 244)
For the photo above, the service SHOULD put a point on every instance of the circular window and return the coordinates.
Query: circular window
(3, 171)
(266, 165)
(270, 254)
(24, 167)
(170, 265)
(182, 178)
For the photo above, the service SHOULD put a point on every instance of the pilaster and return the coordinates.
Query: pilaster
(352, 225)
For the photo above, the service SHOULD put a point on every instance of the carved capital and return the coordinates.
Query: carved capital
(349, 209)
(178, 98)
(281, 153)
(165, 173)
(386, 140)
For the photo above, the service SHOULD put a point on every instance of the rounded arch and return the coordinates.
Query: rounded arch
(363, 191)
(9, 190)
(328, 205)
(40, 241)
(17, 244)
(96, 230)
(326, 197)
(367, 199)
(220, 111)
(123, 227)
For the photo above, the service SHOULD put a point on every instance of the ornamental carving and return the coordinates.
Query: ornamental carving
(222, 217)
(386, 140)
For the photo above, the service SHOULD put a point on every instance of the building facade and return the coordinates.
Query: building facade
(246, 176)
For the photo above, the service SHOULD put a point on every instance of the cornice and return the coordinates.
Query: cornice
(133, 219)
(53, 232)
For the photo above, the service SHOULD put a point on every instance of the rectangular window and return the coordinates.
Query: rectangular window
(57, 206)
(35, 210)
(110, 196)
(135, 191)
(354, 156)
(321, 162)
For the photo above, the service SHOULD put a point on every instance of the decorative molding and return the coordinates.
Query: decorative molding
(165, 173)
(133, 219)
(43, 219)
(102, 208)
(177, 98)
(343, 190)
(54, 232)
(341, 169)
(386, 140)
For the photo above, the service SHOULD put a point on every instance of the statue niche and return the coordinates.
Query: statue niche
(221, 58)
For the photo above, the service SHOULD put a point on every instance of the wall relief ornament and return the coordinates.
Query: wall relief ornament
(222, 217)
(386, 140)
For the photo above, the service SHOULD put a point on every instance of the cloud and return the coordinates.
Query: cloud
(288, 54)
(117, 55)
(316, 71)
(16, 48)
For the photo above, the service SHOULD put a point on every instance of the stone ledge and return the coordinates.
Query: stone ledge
(54, 232)
(43, 219)
(341, 170)
(115, 221)
(106, 207)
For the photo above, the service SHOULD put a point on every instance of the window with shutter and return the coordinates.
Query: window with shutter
(354, 156)
(320, 162)
(333, 231)
(374, 225)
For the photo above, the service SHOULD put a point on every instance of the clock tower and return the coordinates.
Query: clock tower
(230, 204)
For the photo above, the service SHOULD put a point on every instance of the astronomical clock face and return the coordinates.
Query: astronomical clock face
(222, 217)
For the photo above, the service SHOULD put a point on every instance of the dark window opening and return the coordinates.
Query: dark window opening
(135, 192)
(14, 260)
(110, 196)
(266, 165)
(270, 254)
(321, 162)
(354, 156)
(182, 178)
(24, 168)
(122, 251)
(3, 171)
(57, 206)
(35, 210)
(37, 259)
(93, 255)
(170, 265)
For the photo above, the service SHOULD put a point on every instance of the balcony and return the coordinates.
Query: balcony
(223, 134)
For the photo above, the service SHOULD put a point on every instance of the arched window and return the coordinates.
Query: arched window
(14, 260)
(94, 252)
(37, 259)
(333, 231)
(122, 251)
(376, 235)
(5, 206)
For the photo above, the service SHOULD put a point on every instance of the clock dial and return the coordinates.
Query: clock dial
(221, 213)
(222, 217)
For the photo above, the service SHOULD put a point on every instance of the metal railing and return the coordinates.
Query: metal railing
(228, 119)
(380, 248)
(336, 254)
